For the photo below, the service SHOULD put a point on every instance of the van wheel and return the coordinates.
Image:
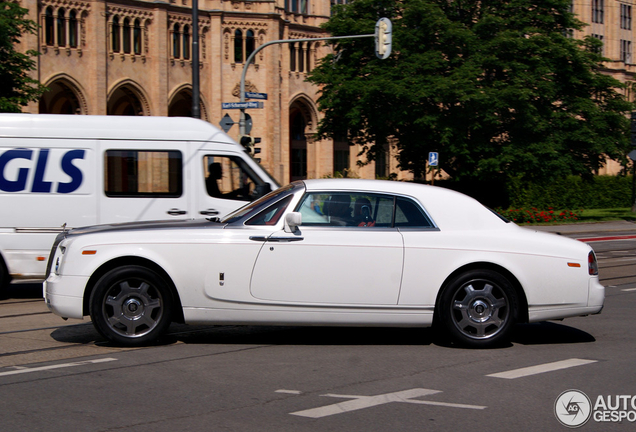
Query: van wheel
(478, 308)
(4, 280)
(131, 306)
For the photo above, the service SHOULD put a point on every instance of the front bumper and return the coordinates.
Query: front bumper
(64, 295)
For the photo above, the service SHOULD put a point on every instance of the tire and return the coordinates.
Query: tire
(4, 280)
(131, 306)
(479, 308)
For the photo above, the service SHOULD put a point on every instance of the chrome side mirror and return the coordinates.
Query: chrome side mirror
(292, 221)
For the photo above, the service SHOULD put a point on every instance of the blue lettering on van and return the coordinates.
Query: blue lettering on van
(20, 183)
(72, 171)
(40, 185)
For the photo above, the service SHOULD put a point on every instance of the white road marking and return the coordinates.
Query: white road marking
(361, 402)
(296, 392)
(538, 369)
(57, 366)
(629, 289)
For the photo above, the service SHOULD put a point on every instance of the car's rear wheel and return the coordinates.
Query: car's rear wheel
(131, 306)
(478, 308)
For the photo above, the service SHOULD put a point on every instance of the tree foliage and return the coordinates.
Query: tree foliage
(498, 87)
(17, 88)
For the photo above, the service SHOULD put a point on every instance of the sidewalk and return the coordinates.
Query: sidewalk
(612, 227)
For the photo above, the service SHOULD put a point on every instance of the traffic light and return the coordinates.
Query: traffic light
(383, 38)
(250, 144)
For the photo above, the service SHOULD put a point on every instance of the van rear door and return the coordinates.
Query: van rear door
(143, 180)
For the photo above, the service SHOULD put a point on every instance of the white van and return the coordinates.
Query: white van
(62, 170)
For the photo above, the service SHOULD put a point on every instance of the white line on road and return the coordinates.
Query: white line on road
(538, 369)
(296, 392)
(629, 289)
(360, 402)
(57, 366)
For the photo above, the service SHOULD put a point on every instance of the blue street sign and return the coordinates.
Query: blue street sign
(433, 158)
(253, 95)
(241, 105)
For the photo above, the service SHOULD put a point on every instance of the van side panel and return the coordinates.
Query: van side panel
(44, 184)
(143, 180)
(87, 170)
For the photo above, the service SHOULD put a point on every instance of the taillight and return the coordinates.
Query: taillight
(592, 265)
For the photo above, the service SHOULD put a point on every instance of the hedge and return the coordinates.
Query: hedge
(573, 193)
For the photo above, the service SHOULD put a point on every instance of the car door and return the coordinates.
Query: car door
(339, 256)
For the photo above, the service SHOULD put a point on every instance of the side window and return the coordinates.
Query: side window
(229, 177)
(355, 209)
(272, 214)
(409, 214)
(141, 173)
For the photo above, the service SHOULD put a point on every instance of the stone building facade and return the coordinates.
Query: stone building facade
(611, 22)
(134, 57)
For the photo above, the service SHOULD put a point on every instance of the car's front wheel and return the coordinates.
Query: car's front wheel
(478, 308)
(131, 306)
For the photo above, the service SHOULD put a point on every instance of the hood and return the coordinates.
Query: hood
(146, 225)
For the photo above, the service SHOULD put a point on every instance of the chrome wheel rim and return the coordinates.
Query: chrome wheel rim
(132, 308)
(480, 309)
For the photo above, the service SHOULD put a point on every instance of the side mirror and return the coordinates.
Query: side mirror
(292, 221)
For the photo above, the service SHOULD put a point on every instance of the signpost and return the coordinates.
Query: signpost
(254, 95)
(241, 105)
(227, 123)
(382, 34)
(433, 161)
(433, 158)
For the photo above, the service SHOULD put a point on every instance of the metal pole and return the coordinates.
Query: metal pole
(196, 109)
(282, 41)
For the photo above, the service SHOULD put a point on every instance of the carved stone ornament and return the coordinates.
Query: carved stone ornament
(249, 87)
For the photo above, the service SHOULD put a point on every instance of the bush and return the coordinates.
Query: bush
(573, 193)
(522, 216)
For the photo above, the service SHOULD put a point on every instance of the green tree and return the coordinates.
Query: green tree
(17, 88)
(498, 87)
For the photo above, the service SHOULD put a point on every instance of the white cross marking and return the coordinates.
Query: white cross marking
(361, 402)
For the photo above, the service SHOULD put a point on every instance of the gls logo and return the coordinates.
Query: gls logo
(14, 175)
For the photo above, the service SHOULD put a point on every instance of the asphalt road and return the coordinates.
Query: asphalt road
(60, 376)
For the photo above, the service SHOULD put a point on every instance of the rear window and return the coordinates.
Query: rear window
(143, 173)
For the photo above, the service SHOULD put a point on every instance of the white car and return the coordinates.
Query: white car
(340, 252)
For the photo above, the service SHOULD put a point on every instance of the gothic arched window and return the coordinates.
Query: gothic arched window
(238, 46)
(186, 42)
(115, 34)
(176, 41)
(137, 37)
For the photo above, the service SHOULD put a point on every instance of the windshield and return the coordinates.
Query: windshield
(261, 203)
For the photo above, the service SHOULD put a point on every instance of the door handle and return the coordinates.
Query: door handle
(276, 239)
(176, 212)
(209, 212)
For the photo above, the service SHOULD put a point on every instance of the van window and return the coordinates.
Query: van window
(229, 177)
(142, 173)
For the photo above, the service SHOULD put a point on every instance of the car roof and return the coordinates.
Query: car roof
(449, 209)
